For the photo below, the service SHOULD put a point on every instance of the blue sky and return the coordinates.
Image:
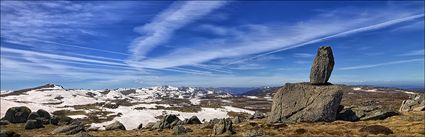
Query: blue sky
(111, 44)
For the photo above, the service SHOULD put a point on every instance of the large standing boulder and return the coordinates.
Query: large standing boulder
(17, 114)
(115, 126)
(415, 103)
(322, 66)
(224, 126)
(303, 102)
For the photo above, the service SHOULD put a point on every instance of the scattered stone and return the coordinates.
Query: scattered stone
(193, 120)
(376, 129)
(68, 129)
(9, 134)
(33, 115)
(179, 129)
(4, 122)
(303, 102)
(140, 126)
(92, 128)
(211, 123)
(115, 126)
(253, 133)
(83, 134)
(365, 113)
(44, 114)
(415, 103)
(54, 120)
(33, 124)
(64, 120)
(224, 126)
(257, 115)
(322, 66)
(150, 125)
(236, 120)
(17, 114)
(300, 131)
(168, 122)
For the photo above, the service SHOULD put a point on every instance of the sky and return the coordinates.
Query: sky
(113, 44)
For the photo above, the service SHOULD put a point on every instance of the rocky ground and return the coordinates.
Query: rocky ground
(376, 99)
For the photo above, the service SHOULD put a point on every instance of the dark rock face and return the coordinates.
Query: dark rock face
(376, 129)
(140, 126)
(322, 66)
(168, 122)
(303, 102)
(150, 125)
(17, 114)
(33, 115)
(415, 103)
(33, 124)
(83, 134)
(257, 115)
(115, 126)
(44, 114)
(224, 126)
(193, 120)
(54, 120)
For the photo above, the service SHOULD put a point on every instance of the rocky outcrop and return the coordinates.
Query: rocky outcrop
(115, 126)
(33, 124)
(415, 103)
(236, 120)
(224, 126)
(365, 113)
(303, 102)
(70, 129)
(17, 114)
(322, 66)
(192, 120)
(168, 122)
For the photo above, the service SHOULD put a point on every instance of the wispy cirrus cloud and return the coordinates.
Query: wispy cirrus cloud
(381, 64)
(261, 40)
(162, 27)
(420, 52)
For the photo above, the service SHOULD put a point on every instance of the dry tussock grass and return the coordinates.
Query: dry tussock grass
(407, 124)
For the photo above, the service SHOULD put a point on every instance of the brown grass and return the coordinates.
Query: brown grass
(406, 124)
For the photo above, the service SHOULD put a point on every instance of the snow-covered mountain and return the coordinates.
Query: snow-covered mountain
(131, 106)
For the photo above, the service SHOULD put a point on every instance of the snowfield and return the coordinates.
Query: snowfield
(56, 98)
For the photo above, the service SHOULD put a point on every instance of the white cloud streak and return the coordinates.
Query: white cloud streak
(420, 52)
(163, 25)
(381, 64)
